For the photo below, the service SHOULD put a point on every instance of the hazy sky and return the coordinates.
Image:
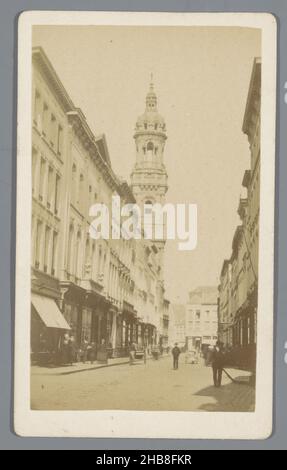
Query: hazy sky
(201, 78)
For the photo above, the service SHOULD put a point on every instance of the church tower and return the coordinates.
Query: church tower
(149, 176)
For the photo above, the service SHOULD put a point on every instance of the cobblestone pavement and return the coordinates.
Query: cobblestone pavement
(154, 386)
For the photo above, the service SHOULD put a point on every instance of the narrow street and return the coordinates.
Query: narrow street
(154, 386)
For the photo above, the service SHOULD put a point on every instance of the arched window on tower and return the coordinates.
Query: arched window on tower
(150, 150)
(148, 203)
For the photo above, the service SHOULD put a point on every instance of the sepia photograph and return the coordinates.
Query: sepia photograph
(149, 213)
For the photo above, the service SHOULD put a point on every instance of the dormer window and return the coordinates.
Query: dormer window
(156, 126)
(145, 126)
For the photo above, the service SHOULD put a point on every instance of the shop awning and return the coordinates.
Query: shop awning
(49, 312)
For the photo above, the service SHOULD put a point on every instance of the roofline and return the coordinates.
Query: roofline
(238, 232)
(255, 71)
(40, 58)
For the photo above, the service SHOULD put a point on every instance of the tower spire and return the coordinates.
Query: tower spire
(151, 99)
(151, 86)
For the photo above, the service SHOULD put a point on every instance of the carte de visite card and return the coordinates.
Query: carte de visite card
(145, 225)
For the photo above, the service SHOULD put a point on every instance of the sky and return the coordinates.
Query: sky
(201, 77)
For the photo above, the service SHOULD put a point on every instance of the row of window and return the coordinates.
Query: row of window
(47, 124)
(45, 248)
(206, 325)
(78, 190)
(198, 314)
(244, 332)
(45, 182)
(151, 125)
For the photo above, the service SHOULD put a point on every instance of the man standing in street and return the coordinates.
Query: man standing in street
(217, 364)
(176, 353)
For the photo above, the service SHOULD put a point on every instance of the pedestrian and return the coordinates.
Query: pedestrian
(132, 351)
(176, 353)
(72, 350)
(65, 349)
(217, 362)
(93, 352)
(84, 349)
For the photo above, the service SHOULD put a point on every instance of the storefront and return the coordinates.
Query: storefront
(128, 324)
(48, 327)
(73, 303)
(87, 313)
(244, 334)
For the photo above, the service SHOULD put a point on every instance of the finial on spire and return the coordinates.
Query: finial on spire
(151, 82)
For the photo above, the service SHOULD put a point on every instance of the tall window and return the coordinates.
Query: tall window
(80, 198)
(45, 120)
(34, 166)
(57, 194)
(77, 256)
(70, 265)
(38, 244)
(54, 253)
(100, 264)
(88, 257)
(53, 125)
(42, 178)
(37, 109)
(60, 140)
(50, 187)
(46, 248)
(74, 183)
(93, 260)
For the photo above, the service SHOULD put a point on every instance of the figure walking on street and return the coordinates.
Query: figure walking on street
(217, 364)
(176, 353)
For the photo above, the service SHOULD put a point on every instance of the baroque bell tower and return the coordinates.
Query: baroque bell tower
(149, 176)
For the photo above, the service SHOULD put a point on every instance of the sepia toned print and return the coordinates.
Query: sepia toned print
(102, 299)
(147, 169)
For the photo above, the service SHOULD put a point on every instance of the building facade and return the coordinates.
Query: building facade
(225, 325)
(177, 329)
(202, 318)
(239, 328)
(100, 291)
(49, 149)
